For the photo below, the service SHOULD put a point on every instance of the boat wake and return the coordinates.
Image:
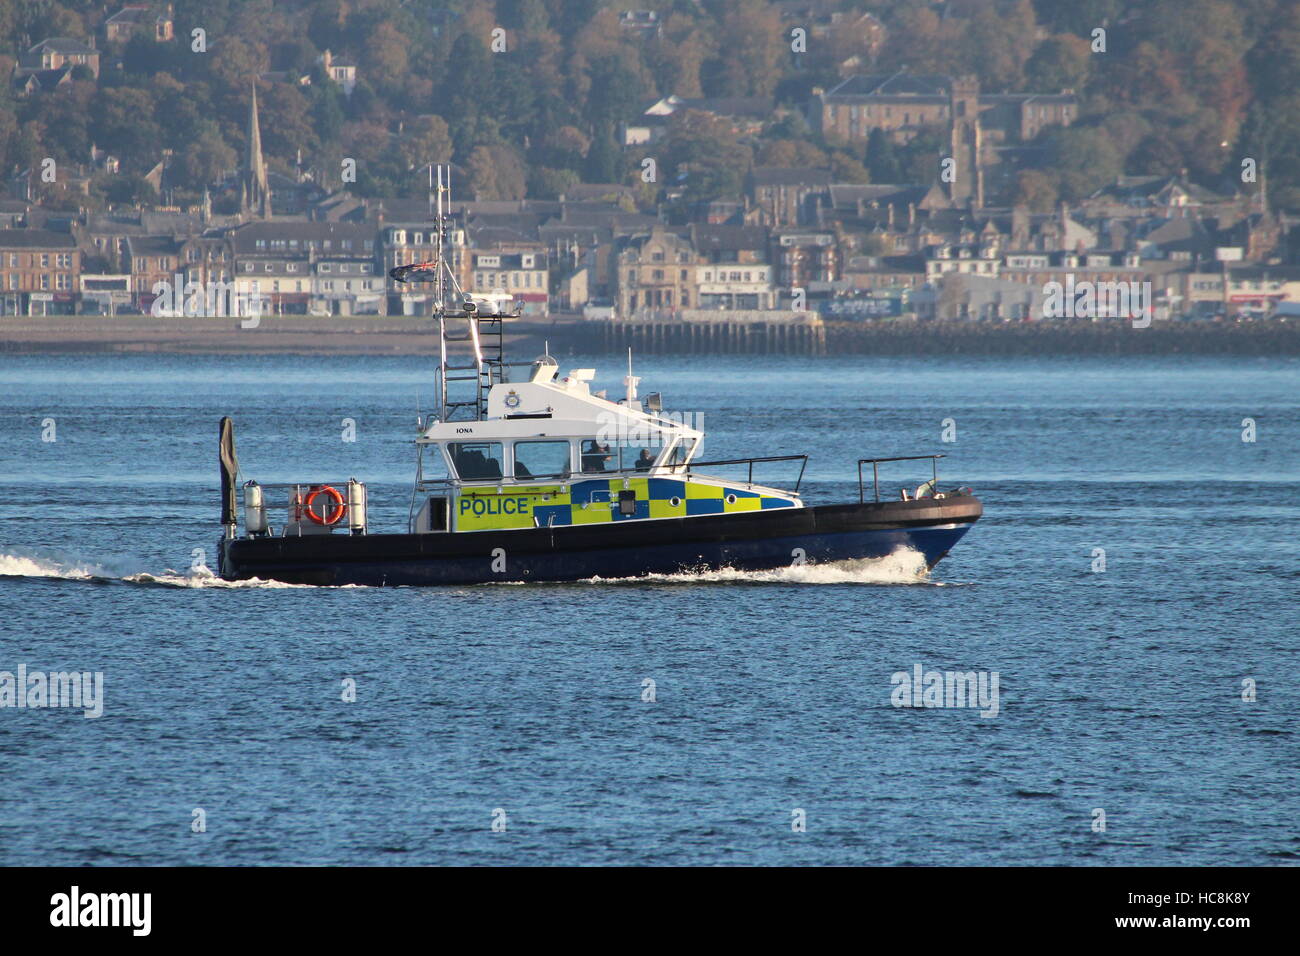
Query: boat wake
(904, 566)
(14, 566)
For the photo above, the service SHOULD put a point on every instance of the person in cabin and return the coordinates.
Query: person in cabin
(594, 455)
(645, 460)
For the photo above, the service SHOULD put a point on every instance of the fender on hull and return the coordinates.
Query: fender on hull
(756, 541)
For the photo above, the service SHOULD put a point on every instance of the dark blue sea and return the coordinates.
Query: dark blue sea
(1124, 690)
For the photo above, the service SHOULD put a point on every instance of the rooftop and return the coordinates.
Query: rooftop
(893, 84)
(790, 176)
(62, 45)
(36, 239)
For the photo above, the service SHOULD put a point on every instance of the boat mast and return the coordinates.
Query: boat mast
(485, 365)
(631, 381)
(440, 305)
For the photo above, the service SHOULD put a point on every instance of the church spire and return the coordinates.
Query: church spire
(255, 192)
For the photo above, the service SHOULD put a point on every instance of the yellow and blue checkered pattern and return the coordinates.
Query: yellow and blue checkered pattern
(596, 501)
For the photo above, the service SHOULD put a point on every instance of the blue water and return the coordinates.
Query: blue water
(1119, 690)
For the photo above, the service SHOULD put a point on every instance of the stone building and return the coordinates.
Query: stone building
(979, 125)
(656, 271)
(41, 272)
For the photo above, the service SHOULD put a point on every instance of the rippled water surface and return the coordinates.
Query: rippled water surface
(1119, 690)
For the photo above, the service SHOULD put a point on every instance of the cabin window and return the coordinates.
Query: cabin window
(597, 457)
(627, 455)
(542, 459)
(639, 457)
(477, 460)
(683, 450)
(434, 466)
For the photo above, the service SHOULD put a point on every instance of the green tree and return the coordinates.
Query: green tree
(678, 55)
(751, 50)
(702, 152)
(1080, 17)
(386, 59)
(286, 122)
(991, 44)
(327, 24)
(127, 190)
(65, 117)
(883, 160)
(426, 140)
(547, 183)
(846, 169)
(466, 89)
(1082, 159)
(1036, 190)
(524, 16)
(202, 161)
(920, 157)
(1059, 63)
(123, 123)
(616, 92)
(791, 125)
(790, 153)
(917, 41)
(497, 172)
(327, 111)
(604, 160)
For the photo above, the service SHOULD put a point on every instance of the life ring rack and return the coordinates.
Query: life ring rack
(335, 515)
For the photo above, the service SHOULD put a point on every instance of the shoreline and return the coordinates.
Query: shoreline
(414, 335)
(336, 335)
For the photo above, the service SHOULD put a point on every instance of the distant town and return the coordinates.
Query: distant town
(803, 226)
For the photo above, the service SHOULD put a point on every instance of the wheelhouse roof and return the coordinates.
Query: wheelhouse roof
(552, 407)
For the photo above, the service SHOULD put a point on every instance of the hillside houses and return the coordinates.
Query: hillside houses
(746, 115)
(793, 234)
(143, 20)
(852, 240)
(51, 63)
(903, 103)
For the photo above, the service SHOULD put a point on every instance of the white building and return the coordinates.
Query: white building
(524, 275)
(344, 74)
(734, 285)
(346, 286)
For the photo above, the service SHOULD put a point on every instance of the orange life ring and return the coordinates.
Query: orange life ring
(334, 516)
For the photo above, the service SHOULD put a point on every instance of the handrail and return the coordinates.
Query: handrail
(875, 470)
(297, 496)
(672, 467)
(280, 485)
(689, 465)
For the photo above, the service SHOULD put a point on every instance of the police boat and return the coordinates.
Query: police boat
(528, 475)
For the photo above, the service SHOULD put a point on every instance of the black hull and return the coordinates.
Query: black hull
(751, 541)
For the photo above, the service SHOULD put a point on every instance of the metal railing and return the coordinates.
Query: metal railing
(291, 498)
(875, 464)
(577, 476)
(690, 466)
